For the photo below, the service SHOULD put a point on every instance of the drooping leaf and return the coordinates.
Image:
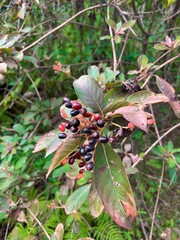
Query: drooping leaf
(155, 99)
(113, 187)
(160, 46)
(11, 39)
(93, 71)
(77, 198)
(45, 140)
(128, 24)
(134, 115)
(176, 107)
(68, 146)
(53, 145)
(166, 88)
(117, 103)
(139, 96)
(96, 206)
(111, 23)
(89, 92)
(142, 61)
(58, 233)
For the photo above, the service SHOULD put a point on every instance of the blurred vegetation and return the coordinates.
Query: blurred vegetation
(30, 97)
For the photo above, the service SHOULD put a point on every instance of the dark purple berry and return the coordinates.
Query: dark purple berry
(81, 171)
(68, 104)
(95, 135)
(87, 157)
(82, 151)
(87, 130)
(75, 122)
(66, 99)
(73, 129)
(93, 126)
(100, 123)
(92, 142)
(71, 161)
(74, 113)
(89, 148)
(103, 139)
(83, 111)
(62, 135)
(82, 164)
(112, 139)
(90, 166)
(68, 125)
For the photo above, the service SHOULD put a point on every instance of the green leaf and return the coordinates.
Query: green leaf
(11, 39)
(4, 204)
(63, 151)
(142, 61)
(107, 37)
(53, 145)
(118, 25)
(93, 71)
(45, 140)
(117, 103)
(19, 129)
(113, 187)
(109, 75)
(127, 25)
(155, 163)
(117, 39)
(160, 46)
(22, 11)
(111, 23)
(139, 97)
(89, 92)
(77, 198)
(58, 172)
(59, 232)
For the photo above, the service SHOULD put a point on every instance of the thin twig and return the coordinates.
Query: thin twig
(34, 85)
(39, 223)
(36, 127)
(62, 25)
(112, 43)
(7, 228)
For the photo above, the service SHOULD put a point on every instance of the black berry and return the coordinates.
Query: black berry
(87, 157)
(95, 135)
(100, 123)
(82, 151)
(103, 139)
(73, 129)
(68, 104)
(62, 135)
(74, 113)
(89, 148)
(82, 164)
(68, 125)
(92, 142)
(71, 161)
(93, 126)
(75, 122)
(66, 99)
(87, 130)
(90, 166)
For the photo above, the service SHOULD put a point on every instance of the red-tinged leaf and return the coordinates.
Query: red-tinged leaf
(68, 146)
(53, 145)
(139, 97)
(113, 187)
(155, 99)
(96, 207)
(134, 115)
(176, 107)
(45, 140)
(89, 92)
(166, 88)
(65, 112)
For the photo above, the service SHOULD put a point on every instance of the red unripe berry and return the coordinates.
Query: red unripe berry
(87, 114)
(76, 105)
(130, 125)
(97, 116)
(150, 121)
(79, 176)
(64, 161)
(81, 171)
(61, 128)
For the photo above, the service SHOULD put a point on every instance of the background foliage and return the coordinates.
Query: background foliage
(31, 94)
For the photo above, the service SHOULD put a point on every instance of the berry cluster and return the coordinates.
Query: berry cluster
(88, 125)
